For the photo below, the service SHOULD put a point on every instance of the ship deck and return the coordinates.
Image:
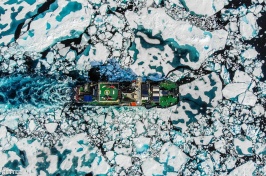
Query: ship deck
(108, 92)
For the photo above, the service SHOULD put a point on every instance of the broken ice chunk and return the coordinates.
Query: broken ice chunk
(142, 144)
(151, 167)
(243, 146)
(250, 53)
(32, 125)
(173, 156)
(234, 89)
(203, 140)
(248, 26)
(245, 169)
(241, 76)
(123, 161)
(220, 146)
(258, 110)
(51, 127)
(247, 98)
(206, 7)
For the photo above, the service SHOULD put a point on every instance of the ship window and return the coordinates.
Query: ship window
(155, 99)
(145, 90)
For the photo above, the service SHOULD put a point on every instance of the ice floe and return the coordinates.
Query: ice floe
(156, 20)
(151, 167)
(208, 7)
(68, 21)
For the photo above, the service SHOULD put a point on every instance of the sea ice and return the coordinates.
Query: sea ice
(51, 127)
(247, 98)
(62, 27)
(123, 161)
(243, 147)
(206, 89)
(142, 144)
(151, 167)
(173, 156)
(206, 7)
(250, 53)
(248, 26)
(160, 23)
(245, 169)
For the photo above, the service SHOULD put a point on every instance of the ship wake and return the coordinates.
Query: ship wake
(35, 90)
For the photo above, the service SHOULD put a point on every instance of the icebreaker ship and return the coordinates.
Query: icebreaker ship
(128, 93)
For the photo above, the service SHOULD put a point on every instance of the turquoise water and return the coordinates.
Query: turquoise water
(31, 33)
(10, 2)
(70, 7)
(207, 33)
(2, 26)
(48, 26)
(144, 148)
(2, 10)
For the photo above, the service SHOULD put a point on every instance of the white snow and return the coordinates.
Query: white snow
(140, 127)
(6, 17)
(203, 140)
(51, 127)
(230, 163)
(159, 21)
(248, 26)
(234, 89)
(220, 145)
(176, 2)
(245, 169)
(205, 7)
(126, 133)
(100, 166)
(207, 167)
(241, 77)
(247, 98)
(71, 55)
(50, 57)
(11, 121)
(260, 148)
(101, 53)
(201, 87)
(43, 38)
(147, 39)
(53, 167)
(110, 155)
(250, 53)
(145, 57)
(151, 167)
(258, 110)
(123, 161)
(32, 125)
(141, 142)
(244, 145)
(31, 153)
(181, 114)
(241, 88)
(173, 156)
(117, 40)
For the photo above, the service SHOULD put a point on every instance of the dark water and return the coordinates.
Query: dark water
(35, 90)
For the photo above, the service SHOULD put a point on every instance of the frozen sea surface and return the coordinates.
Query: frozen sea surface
(214, 49)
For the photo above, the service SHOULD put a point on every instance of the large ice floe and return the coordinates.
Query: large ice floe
(172, 42)
(63, 20)
(213, 49)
